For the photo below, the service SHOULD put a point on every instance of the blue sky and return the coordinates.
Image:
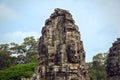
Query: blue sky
(98, 21)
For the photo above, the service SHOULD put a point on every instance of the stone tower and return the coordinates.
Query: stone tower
(61, 52)
(113, 62)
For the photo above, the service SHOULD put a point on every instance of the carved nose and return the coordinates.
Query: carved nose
(75, 54)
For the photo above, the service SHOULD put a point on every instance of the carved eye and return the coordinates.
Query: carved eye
(73, 51)
(78, 51)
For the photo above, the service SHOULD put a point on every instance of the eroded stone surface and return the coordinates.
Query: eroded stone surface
(61, 52)
(113, 61)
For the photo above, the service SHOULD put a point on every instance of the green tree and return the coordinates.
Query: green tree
(31, 47)
(17, 72)
(13, 53)
(27, 51)
(96, 68)
(19, 51)
(5, 59)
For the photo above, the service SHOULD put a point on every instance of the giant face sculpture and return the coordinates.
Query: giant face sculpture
(73, 55)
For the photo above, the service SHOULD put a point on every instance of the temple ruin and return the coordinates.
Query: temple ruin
(61, 51)
(113, 61)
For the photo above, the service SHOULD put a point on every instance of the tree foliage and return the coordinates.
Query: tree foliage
(96, 68)
(5, 59)
(18, 72)
(23, 53)
(31, 47)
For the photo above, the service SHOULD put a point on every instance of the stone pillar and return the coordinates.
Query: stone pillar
(61, 52)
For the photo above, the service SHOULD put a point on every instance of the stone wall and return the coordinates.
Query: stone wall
(113, 61)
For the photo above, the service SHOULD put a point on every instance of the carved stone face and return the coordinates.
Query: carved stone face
(73, 55)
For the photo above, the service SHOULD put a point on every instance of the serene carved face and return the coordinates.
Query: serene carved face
(73, 55)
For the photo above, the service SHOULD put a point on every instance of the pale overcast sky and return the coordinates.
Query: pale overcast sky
(98, 21)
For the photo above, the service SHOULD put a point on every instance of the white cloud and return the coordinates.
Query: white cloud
(18, 36)
(7, 13)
